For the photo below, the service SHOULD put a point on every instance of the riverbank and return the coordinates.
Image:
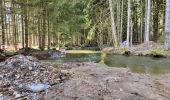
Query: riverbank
(91, 81)
(82, 81)
(150, 49)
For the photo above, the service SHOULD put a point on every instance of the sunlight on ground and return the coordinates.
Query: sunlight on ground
(82, 51)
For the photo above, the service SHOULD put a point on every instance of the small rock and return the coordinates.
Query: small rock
(121, 89)
(1, 77)
(30, 68)
(64, 71)
(37, 87)
(17, 95)
(1, 97)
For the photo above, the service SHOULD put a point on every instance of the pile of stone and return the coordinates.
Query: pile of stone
(21, 75)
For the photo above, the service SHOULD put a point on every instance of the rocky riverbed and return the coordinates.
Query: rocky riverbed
(77, 81)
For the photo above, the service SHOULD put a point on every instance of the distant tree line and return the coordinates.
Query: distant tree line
(58, 23)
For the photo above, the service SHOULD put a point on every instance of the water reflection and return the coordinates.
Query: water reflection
(102, 58)
(138, 69)
(134, 63)
(140, 64)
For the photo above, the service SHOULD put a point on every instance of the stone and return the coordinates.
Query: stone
(20, 74)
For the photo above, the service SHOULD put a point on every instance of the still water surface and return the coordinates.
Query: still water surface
(134, 63)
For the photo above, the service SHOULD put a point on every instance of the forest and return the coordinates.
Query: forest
(57, 24)
(84, 49)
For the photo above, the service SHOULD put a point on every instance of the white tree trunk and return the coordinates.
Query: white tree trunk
(113, 23)
(131, 32)
(147, 23)
(167, 25)
(121, 22)
(128, 22)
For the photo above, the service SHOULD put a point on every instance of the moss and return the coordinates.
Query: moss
(157, 53)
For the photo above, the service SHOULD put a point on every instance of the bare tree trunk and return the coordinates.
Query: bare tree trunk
(142, 20)
(14, 25)
(167, 25)
(131, 33)
(49, 37)
(26, 24)
(3, 24)
(43, 25)
(156, 20)
(113, 24)
(147, 25)
(22, 21)
(39, 33)
(121, 22)
(128, 22)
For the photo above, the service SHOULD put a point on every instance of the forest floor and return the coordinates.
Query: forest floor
(90, 81)
(79, 81)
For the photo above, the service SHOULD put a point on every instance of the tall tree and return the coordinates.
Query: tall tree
(128, 22)
(156, 12)
(43, 23)
(3, 23)
(113, 27)
(147, 20)
(26, 23)
(167, 25)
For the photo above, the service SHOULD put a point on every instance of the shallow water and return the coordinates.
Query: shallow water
(140, 64)
(134, 63)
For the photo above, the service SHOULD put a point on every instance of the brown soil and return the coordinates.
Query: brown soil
(90, 81)
(83, 81)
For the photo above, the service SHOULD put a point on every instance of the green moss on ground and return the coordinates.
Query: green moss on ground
(157, 53)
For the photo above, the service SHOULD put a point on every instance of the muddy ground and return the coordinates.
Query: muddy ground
(90, 81)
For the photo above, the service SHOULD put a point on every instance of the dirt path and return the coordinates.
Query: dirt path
(90, 81)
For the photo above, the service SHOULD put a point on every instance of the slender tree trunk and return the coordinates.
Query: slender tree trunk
(156, 20)
(167, 25)
(131, 33)
(147, 23)
(118, 20)
(113, 24)
(44, 25)
(121, 21)
(39, 33)
(135, 21)
(128, 22)
(142, 20)
(26, 24)
(9, 33)
(22, 21)
(49, 37)
(14, 24)
(3, 24)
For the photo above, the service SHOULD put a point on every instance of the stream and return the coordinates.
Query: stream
(136, 64)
